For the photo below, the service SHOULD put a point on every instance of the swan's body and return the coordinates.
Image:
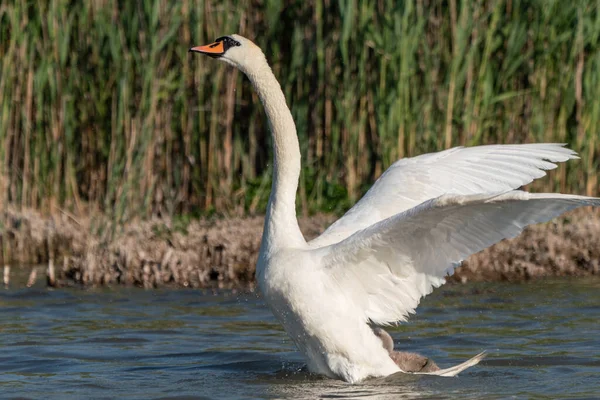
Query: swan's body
(418, 221)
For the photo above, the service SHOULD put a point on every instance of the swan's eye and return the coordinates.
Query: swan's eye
(228, 42)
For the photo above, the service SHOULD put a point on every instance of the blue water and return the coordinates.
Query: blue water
(542, 338)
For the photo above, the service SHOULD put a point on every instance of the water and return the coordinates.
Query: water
(542, 338)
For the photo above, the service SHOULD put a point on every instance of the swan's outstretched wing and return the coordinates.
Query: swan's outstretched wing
(461, 170)
(386, 268)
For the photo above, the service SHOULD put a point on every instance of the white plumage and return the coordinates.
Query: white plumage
(461, 170)
(402, 258)
(413, 227)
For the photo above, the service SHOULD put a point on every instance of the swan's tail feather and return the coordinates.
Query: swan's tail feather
(455, 370)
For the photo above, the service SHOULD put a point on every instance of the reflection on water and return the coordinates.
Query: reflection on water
(542, 339)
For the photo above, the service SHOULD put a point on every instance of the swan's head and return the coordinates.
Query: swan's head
(235, 50)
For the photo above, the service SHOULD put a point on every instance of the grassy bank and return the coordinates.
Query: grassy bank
(103, 109)
(223, 252)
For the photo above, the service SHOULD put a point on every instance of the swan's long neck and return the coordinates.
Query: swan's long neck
(281, 225)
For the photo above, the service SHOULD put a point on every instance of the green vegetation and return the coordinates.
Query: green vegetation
(102, 108)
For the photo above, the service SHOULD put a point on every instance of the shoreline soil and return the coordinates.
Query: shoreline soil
(223, 252)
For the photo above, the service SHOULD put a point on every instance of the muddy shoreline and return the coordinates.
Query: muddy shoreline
(223, 252)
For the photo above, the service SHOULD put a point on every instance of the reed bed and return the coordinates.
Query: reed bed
(102, 108)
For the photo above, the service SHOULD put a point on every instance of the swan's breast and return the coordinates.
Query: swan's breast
(287, 280)
(321, 318)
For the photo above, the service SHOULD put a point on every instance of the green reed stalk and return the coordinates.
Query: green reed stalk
(102, 108)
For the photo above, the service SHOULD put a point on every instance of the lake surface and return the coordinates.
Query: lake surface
(542, 338)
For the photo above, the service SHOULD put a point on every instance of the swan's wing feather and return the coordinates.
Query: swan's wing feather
(460, 170)
(457, 369)
(387, 268)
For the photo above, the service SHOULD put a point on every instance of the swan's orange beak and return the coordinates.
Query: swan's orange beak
(214, 50)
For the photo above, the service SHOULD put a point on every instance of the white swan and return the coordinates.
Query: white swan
(417, 222)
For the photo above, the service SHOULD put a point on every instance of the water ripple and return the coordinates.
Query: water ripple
(542, 341)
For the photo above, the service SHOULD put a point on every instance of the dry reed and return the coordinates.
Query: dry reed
(223, 252)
